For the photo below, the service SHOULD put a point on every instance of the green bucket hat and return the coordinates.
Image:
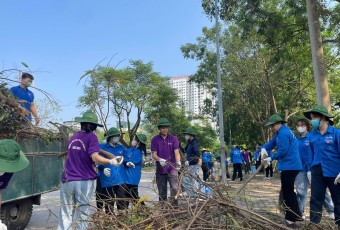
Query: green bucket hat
(275, 119)
(112, 132)
(190, 131)
(318, 109)
(89, 117)
(11, 158)
(163, 122)
(142, 138)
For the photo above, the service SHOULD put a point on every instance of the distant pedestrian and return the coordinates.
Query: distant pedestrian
(237, 159)
(246, 158)
(207, 164)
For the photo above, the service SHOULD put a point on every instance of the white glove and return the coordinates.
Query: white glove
(107, 172)
(186, 163)
(2, 226)
(263, 152)
(179, 164)
(116, 161)
(337, 179)
(130, 164)
(309, 176)
(162, 162)
(268, 160)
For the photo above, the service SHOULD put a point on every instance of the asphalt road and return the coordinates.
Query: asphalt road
(45, 216)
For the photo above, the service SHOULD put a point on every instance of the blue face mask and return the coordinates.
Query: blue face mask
(316, 123)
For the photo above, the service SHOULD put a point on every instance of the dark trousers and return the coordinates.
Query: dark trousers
(162, 181)
(105, 197)
(289, 196)
(132, 192)
(318, 190)
(247, 167)
(206, 172)
(238, 169)
(269, 169)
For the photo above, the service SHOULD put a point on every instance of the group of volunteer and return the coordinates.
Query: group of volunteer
(109, 169)
(315, 154)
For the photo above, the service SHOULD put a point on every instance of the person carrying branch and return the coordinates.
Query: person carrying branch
(79, 174)
(26, 96)
(289, 164)
(165, 150)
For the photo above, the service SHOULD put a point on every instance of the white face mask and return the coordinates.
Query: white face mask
(301, 129)
(2, 173)
(187, 137)
(115, 140)
(133, 143)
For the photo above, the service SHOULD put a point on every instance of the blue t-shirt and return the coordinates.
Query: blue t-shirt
(24, 94)
(118, 174)
(236, 156)
(326, 150)
(135, 156)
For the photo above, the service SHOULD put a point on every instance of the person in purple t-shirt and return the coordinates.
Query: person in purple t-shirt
(165, 150)
(79, 175)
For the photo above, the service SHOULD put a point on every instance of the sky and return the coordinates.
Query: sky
(61, 39)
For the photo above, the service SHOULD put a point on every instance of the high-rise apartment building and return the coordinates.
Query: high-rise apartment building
(191, 95)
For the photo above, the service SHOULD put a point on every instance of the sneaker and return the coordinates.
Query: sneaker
(269, 178)
(183, 194)
(265, 178)
(331, 215)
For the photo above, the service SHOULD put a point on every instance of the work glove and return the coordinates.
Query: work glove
(116, 161)
(107, 172)
(337, 179)
(130, 164)
(2, 226)
(162, 162)
(186, 163)
(309, 176)
(268, 160)
(179, 165)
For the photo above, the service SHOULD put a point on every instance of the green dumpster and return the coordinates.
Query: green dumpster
(25, 188)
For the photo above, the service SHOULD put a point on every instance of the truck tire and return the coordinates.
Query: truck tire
(17, 214)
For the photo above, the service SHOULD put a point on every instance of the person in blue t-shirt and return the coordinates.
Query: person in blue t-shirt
(26, 96)
(111, 179)
(207, 164)
(133, 158)
(237, 159)
(303, 179)
(289, 164)
(325, 167)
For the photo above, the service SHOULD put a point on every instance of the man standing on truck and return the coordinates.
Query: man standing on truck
(79, 175)
(26, 96)
(11, 160)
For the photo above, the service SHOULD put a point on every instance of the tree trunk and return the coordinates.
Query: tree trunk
(320, 76)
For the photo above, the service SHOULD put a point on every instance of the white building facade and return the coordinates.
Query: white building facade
(191, 95)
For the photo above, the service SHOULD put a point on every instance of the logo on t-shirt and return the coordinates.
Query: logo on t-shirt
(329, 140)
(75, 145)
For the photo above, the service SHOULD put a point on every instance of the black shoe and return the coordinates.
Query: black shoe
(292, 225)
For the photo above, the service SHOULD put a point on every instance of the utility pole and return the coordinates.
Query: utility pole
(219, 85)
(320, 75)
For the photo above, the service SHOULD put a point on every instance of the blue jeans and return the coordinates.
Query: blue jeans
(75, 197)
(190, 184)
(302, 184)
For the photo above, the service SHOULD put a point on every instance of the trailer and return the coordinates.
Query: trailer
(26, 187)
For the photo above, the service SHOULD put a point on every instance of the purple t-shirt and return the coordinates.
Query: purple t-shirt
(4, 180)
(79, 165)
(245, 156)
(165, 148)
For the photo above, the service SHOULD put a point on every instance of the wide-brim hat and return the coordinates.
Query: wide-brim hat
(11, 158)
(142, 138)
(163, 122)
(190, 131)
(275, 119)
(321, 110)
(89, 117)
(112, 132)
